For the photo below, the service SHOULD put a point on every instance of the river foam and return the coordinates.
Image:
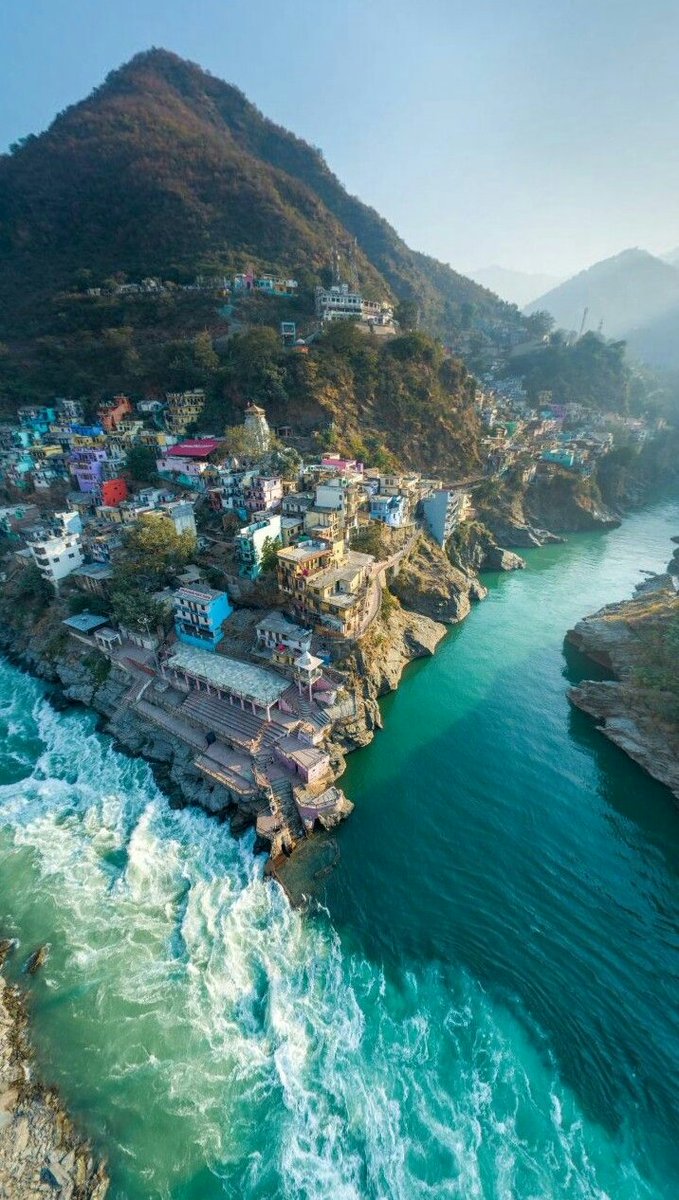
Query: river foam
(216, 1043)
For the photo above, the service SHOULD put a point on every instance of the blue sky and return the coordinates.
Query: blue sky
(538, 135)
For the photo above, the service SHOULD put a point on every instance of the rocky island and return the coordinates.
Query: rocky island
(637, 641)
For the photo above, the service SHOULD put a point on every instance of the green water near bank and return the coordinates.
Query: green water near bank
(485, 1007)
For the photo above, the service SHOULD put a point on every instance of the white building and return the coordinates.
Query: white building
(337, 303)
(56, 554)
(250, 543)
(443, 512)
(276, 632)
(181, 514)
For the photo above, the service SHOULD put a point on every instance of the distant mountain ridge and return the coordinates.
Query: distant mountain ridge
(516, 287)
(167, 166)
(635, 297)
(623, 292)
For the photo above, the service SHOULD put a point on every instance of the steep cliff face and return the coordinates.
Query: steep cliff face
(473, 548)
(519, 514)
(375, 664)
(428, 583)
(638, 642)
(566, 503)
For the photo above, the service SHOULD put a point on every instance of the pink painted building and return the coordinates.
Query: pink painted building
(344, 466)
(309, 762)
(264, 493)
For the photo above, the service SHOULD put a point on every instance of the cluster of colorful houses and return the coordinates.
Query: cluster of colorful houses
(307, 522)
(546, 435)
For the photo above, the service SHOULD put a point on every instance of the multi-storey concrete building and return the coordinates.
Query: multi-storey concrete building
(183, 409)
(199, 613)
(333, 594)
(443, 511)
(112, 412)
(58, 551)
(250, 543)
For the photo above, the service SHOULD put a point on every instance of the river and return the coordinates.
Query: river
(483, 1005)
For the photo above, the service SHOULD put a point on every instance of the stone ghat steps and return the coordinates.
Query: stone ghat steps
(270, 735)
(234, 724)
(307, 710)
(284, 802)
(172, 725)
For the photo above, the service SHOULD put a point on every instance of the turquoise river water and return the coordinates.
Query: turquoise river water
(482, 1005)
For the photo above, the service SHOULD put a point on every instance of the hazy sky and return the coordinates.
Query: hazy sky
(539, 135)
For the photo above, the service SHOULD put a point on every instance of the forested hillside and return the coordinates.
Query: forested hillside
(165, 170)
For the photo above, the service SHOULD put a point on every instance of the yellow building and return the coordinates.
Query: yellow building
(183, 408)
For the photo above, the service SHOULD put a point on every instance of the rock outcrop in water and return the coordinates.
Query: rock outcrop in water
(638, 642)
(42, 1156)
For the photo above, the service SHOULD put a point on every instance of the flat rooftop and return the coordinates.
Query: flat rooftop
(95, 570)
(85, 622)
(239, 678)
(347, 569)
(300, 554)
(197, 595)
(276, 622)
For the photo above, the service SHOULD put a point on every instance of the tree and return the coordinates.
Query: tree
(32, 585)
(136, 609)
(269, 558)
(141, 463)
(285, 461)
(407, 314)
(152, 553)
(467, 313)
(540, 323)
(239, 442)
(204, 353)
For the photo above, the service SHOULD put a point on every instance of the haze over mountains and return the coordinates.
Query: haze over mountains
(633, 295)
(516, 287)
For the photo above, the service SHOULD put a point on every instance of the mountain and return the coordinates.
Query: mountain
(164, 169)
(656, 342)
(625, 292)
(516, 287)
(671, 257)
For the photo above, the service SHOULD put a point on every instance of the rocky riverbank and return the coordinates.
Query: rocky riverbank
(520, 512)
(424, 593)
(42, 1157)
(637, 641)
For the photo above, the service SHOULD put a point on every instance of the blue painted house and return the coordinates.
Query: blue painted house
(199, 613)
(37, 418)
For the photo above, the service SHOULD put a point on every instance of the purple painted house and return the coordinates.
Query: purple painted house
(86, 466)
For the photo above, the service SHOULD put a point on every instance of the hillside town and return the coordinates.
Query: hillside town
(236, 658)
(276, 552)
